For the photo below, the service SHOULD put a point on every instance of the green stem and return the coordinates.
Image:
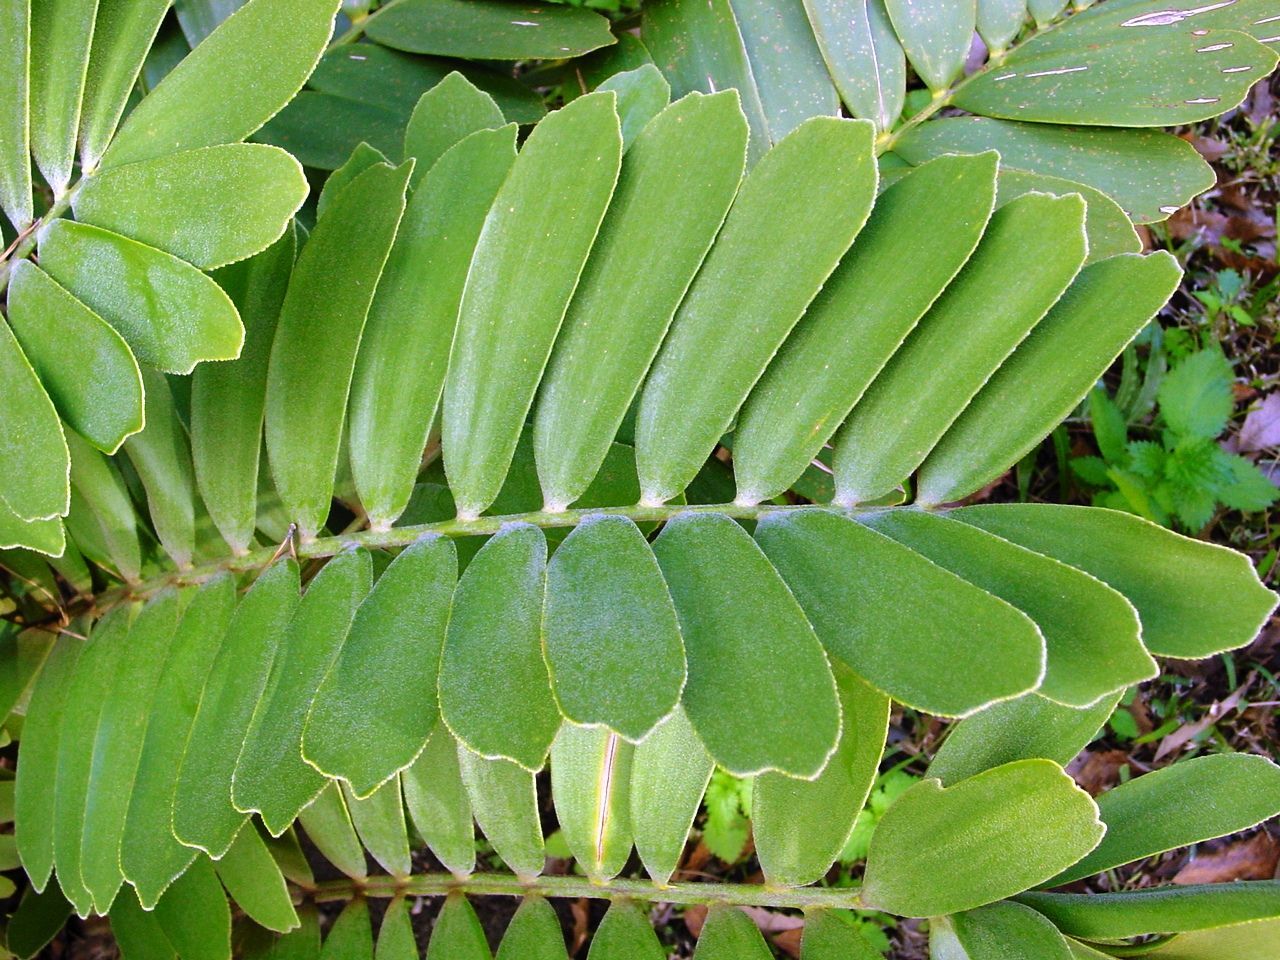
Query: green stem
(507, 885)
(27, 243)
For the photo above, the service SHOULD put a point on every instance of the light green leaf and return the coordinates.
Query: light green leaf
(490, 30)
(794, 218)
(377, 704)
(88, 369)
(231, 84)
(438, 804)
(195, 916)
(830, 936)
(609, 630)
(669, 774)
(1020, 729)
(400, 369)
(932, 219)
(327, 823)
(740, 622)
(122, 34)
(100, 497)
(161, 455)
(395, 935)
(942, 850)
(897, 619)
(935, 36)
(1000, 931)
(362, 158)
(61, 33)
(1151, 174)
(1195, 396)
(351, 937)
(210, 206)
(23, 653)
(170, 313)
(785, 63)
(42, 536)
(800, 827)
(447, 113)
(591, 787)
(271, 778)
(625, 934)
(1242, 941)
(643, 93)
(1000, 21)
(255, 882)
(321, 321)
(1177, 806)
(676, 184)
(1049, 373)
(504, 798)
(150, 856)
(1045, 11)
(227, 399)
(35, 465)
(729, 934)
(498, 357)
(1195, 599)
(533, 934)
(863, 55)
(203, 816)
(137, 932)
(379, 820)
(1109, 230)
(457, 934)
(15, 139)
(975, 324)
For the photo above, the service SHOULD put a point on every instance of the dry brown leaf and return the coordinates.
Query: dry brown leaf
(1253, 858)
(1190, 731)
(1097, 770)
(1261, 428)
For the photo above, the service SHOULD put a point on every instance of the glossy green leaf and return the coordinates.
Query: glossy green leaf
(15, 127)
(785, 63)
(829, 936)
(1049, 373)
(161, 455)
(669, 774)
(676, 185)
(322, 130)
(863, 56)
(498, 357)
(438, 804)
(61, 32)
(47, 711)
(231, 84)
(1092, 70)
(1045, 11)
(490, 30)
(256, 884)
(933, 218)
(591, 787)
(195, 915)
(150, 856)
(314, 351)
(1109, 230)
(1178, 806)
(729, 934)
(457, 934)
(37, 920)
(609, 630)
(227, 399)
(1151, 174)
(101, 491)
(1195, 599)
(395, 935)
(625, 934)
(23, 653)
(1092, 633)
(1112, 916)
(122, 34)
(35, 465)
(504, 798)
(351, 937)
(400, 369)
(210, 206)
(87, 368)
(942, 850)
(1000, 21)
(1029, 726)
(495, 693)
(171, 314)
(643, 93)
(533, 934)
(935, 36)
(1000, 931)
(271, 778)
(447, 113)
(199, 18)
(812, 193)
(203, 816)
(377, 704)
(896, 618)
(118, 743)
(327, 823)
(800, 827)
(739, 622)
(699, 49)
(137, 932)
(976, 324)
(379, 820)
